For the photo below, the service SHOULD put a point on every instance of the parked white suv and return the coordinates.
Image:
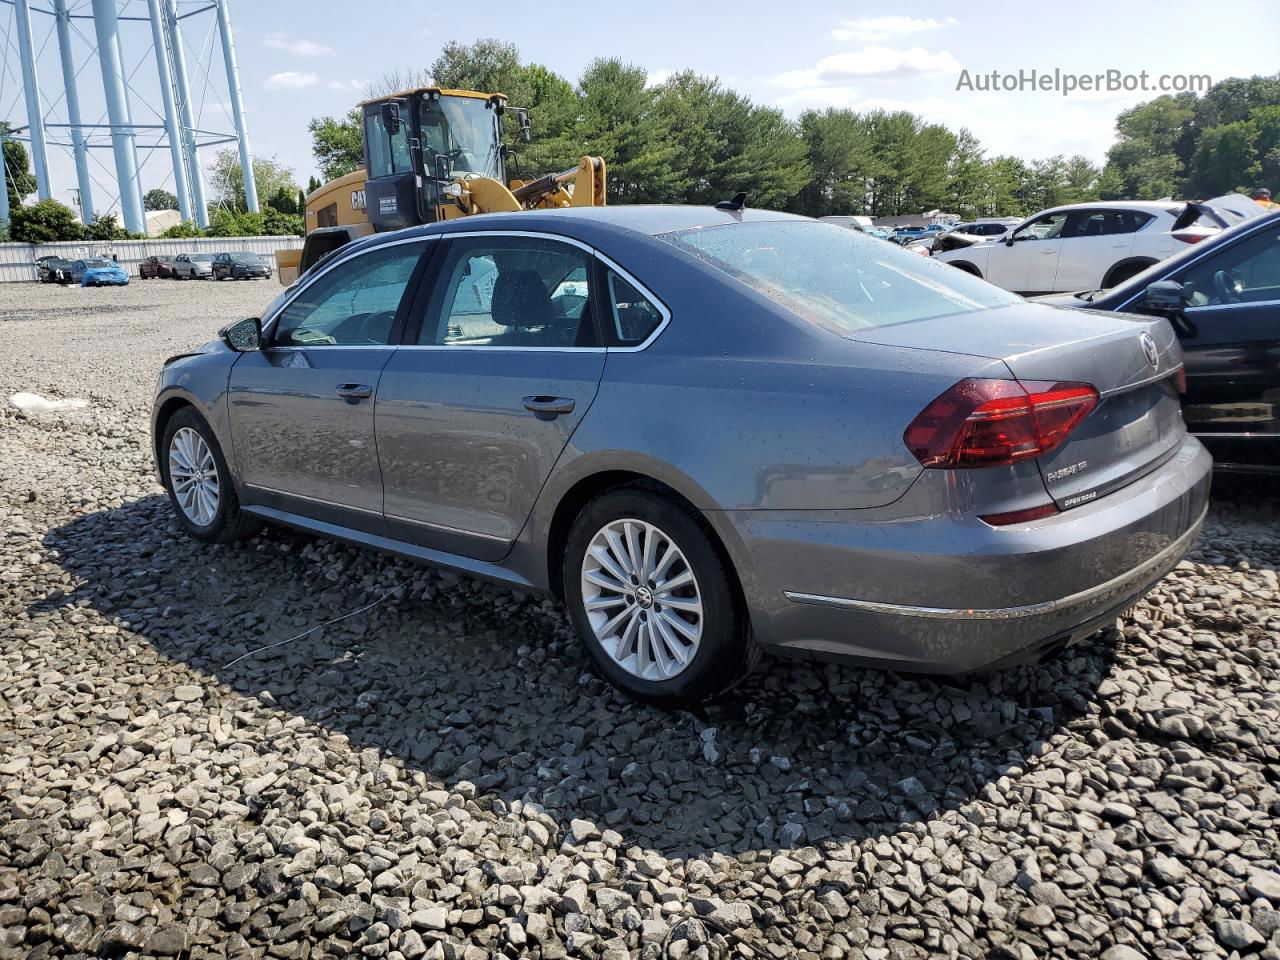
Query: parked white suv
(1086, 246)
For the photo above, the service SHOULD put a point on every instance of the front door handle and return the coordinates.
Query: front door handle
(548, 408)
(352, 392)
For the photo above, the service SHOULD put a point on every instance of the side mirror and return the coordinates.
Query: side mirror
(1165, 296)
(526, 129)
(243, 336)
(1008, 241)
(443, 171)
(391, 117)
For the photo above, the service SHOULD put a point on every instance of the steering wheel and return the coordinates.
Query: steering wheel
(1228, 284)
(375, 328)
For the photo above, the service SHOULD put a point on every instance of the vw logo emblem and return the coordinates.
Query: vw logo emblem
(644, 597)
(1149, 350)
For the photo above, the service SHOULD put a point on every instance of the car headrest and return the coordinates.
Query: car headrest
(520, 300)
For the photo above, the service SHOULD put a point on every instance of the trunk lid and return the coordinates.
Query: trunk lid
(1130, 360)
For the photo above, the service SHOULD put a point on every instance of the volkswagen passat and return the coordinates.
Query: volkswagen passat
(712, 432)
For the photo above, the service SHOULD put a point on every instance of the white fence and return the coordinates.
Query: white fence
(18, 260)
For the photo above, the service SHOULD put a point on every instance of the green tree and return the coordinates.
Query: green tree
(278, 223)
(841, 163)
(967, 174)
(19, 181)
(223, 223)
(46, 221)
(487, 66)
(618, 121)
(159, 199)
(106, 226)
(1226, 159)
(285, 200)
(186, 230)
(337, 144)
(227, 178)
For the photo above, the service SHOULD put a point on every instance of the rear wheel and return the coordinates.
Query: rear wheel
(1120, 274)
(199, 483)
(653, 601)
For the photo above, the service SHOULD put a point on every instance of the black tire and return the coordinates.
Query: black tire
(1119, 275)
(725, 653)
(229, 521)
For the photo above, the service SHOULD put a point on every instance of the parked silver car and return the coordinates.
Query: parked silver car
(712, 432)
(193, 266)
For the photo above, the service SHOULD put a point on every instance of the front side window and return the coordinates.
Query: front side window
(838, 279)
(353, 304)
(1047, 227)
(1244, 272)
(511, 292)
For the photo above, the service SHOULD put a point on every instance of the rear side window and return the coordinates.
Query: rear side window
(354, 304)
(633, 317)
(511, 292)
(838, 279)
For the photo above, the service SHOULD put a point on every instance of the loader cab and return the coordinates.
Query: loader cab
(418, 142)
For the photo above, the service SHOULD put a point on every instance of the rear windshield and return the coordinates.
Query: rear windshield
(200, 256)
(99, 262)
(837, 278)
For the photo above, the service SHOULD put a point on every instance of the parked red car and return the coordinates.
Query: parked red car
(153, 268)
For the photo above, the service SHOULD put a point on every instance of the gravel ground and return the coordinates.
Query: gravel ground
(441, 776)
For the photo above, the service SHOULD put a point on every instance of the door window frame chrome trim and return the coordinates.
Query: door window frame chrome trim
(269, 322)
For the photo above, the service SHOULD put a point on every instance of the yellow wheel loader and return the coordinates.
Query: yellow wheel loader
(431, 154)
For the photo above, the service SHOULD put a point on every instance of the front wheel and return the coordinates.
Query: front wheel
(653, 601)
(199, 483)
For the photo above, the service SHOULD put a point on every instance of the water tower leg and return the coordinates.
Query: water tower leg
(170, 109)
(78, 147)
(237, 106)
(122, 141)
(195, 176)
(31, 87)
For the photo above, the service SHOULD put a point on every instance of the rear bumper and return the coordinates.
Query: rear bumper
(937, 591)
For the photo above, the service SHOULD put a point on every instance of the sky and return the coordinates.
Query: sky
(303, 58)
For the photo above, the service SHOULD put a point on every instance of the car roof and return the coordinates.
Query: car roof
(1150, 206)
(587, 223)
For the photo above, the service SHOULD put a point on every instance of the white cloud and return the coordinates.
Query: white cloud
(879, 29)
(291, 80)
(299, 45)
(869, 63)
(347, 84)
(657, 78)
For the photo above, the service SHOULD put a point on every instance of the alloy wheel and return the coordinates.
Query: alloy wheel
(642, 600)
(193, 474)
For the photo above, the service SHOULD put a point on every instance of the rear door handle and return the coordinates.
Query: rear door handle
(548, 408)
(354, 391)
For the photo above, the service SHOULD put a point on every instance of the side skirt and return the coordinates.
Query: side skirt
(435, 558)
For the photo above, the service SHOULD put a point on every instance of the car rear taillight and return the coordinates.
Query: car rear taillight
(1180, 379)
(989, 423)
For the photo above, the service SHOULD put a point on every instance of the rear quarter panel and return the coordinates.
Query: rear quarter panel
(739, 405)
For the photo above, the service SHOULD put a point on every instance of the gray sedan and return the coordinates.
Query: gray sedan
(710, 432)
